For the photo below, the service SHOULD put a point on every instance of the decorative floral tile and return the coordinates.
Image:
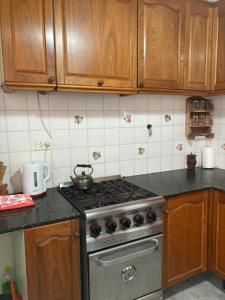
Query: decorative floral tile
(167, 118)
(96, 155)
(179, 147)
(78, 119)
(223, 147)
(128, 118)
(141, 151)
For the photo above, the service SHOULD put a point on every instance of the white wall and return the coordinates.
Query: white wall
(103, 130)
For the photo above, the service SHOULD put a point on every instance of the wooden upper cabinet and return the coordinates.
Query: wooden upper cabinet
(198, 46)
(218, 234)
(53, 261)
(185, 237)
(28, 43)
(96, 43)
(161, 44)
(218, 61)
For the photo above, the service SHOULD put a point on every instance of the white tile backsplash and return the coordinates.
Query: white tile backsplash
(107, 131)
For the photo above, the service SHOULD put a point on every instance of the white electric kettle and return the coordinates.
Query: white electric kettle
(34, 179)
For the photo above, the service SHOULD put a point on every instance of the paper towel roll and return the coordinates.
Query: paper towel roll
(208, 157)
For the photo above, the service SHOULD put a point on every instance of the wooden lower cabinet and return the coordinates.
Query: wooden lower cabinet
(53, 261)
(218, 234)
(185, 237)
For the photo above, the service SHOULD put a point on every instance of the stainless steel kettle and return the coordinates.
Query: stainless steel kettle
(82, 181)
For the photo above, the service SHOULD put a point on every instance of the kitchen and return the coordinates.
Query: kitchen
(117, 109)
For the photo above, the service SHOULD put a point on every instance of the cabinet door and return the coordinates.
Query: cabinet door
(218, 237)
(218, 61)
(198, 46)
(185, 237)
(53, 261)
(28, 43)
(96, 43)
(161, 44)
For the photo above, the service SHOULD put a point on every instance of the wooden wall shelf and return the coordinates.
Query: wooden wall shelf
(199, 118)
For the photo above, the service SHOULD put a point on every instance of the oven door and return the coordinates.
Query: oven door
(126, 272)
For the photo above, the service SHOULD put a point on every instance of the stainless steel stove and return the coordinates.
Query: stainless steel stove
(124, 226)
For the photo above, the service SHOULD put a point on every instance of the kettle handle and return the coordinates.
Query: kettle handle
(49, 171)
(82, 166)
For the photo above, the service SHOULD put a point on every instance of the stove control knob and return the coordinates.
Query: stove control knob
(125, 222)
(95, 230)
(139, 219)
(151, 216)
(110, 226)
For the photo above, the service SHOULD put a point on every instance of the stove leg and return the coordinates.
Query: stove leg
(224, 284)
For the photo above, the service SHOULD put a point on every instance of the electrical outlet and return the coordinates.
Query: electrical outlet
(42, 145)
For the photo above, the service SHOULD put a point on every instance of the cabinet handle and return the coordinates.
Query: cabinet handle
(51, 79)
(142, 84)
(100, 82)
(76, 235)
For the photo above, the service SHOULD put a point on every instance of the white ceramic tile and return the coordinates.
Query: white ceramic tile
(2, 100)
(221, 161)
(222, 117)
(2, 121)
(112, 119)
(111, 102)
(179, 147)
(179, 103)
(58, 101)
(79, 156)
(140, 118)
(95, 102)
(222, 133)
(127, 103)
(60, 139)
(99, 170)
(4, 142)
(154, 150)
(112, 136)
(141, 135)
(96, 155)
(126, 135)
(33, 101)
(19, 141)
(167, 102)
(167, 148)
(96, 137)
(190, 147)
(155, 118)
(179, 162)
(140, 167)
(95, 119)
(141, 102)
(77, 101)
(78, 138)
(127, 119)
(17, 120)
(42, 156)
(78, 119)
(112, 154)
(216, 117)
(167, 133)
(126, 152)
(179, 117)
(167, 118)
(61, 158)
(17, 160)
(156, 134)
(140, 151)
(154, 165)
(166, 163)
(112, 169)
(127, 168)
(61, 175)
(155, 102)
(200, 144)
(179, 132)
(37, 136)
(35, 118)
(59, 120)
(16, 101)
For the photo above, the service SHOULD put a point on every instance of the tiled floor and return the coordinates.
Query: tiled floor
(203, 287)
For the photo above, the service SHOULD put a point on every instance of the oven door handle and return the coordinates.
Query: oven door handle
(122, 259)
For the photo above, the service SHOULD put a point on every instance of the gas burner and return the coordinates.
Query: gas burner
(105, 193)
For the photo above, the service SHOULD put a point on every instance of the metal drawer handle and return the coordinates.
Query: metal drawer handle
(110, 263)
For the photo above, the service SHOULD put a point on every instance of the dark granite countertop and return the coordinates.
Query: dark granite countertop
(177, 182)
(49, 209)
